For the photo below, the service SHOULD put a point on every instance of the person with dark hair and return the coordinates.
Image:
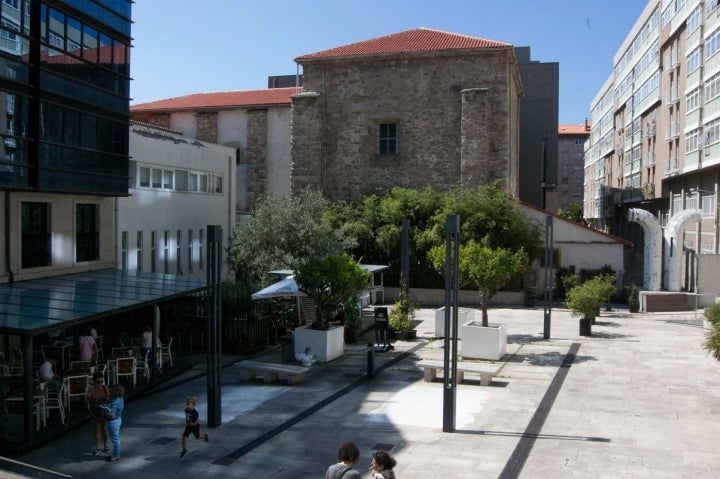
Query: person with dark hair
(114, 419)
(98, 395)
(339, 315)
(347, 456)
(382, 465)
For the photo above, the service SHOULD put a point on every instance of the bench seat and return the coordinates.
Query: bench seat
(485, 370)
(271, 371)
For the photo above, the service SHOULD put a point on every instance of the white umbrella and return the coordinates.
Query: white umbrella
(283, 288)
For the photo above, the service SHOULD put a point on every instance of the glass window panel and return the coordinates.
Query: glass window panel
(167, 179)
(181, 180)
(87, 233)
(156, 178)
(203, 183)
(90, 43)
(89, 131)
(145, 176)
(71, 128)
(74, 33)
(36, 244)
(193, 185)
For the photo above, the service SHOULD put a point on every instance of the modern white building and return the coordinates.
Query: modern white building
(655, 142)
(178, 186)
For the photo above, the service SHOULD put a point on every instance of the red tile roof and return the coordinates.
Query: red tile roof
(410, 41)
(224, 100)
(574, 129)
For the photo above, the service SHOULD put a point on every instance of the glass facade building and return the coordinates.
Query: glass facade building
(64, 96)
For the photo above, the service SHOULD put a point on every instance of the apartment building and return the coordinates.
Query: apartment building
(655, 144)
(570, 175)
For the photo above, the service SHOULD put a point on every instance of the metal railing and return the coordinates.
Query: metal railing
(28, 470)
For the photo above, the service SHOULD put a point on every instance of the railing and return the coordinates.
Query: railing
(33, 471)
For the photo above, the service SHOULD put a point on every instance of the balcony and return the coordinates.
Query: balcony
(672, 131)
(672, 166)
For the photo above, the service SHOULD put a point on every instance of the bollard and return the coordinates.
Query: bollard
(370, 360)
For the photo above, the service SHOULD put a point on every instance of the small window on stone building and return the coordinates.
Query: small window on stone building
(388, 139)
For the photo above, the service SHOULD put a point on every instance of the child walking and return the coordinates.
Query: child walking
(192, 423)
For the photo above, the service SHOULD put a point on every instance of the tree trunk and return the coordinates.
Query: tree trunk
(484, 311)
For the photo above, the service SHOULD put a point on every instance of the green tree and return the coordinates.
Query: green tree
(329, 281)
(283, 233)
(489, 269)
(573, 212)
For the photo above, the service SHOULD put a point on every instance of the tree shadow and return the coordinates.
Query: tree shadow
(552, 358)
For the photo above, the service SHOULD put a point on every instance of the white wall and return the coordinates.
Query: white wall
(279, 159)
(152, 209)
(62, 227)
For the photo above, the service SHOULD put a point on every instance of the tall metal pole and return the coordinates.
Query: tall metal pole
(452, 252)
(214, 249)
(548, 275)
(405, 252)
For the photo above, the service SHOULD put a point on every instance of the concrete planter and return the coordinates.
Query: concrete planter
(481, 342)
(325, 345)
(464, 315)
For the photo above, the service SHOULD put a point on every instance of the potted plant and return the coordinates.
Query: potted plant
(712, 336)
(327, 282)
(583, 301)
(402, 314)
(633, 298)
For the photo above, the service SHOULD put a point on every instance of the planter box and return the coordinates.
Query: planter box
(325, 345)
(481, 342)
(464, 315)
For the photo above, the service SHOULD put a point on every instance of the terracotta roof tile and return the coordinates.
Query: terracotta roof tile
(225, 99)
(410, 41)
(574, 129)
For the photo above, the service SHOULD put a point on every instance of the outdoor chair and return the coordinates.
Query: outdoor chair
(126, 367)
(166, 352)
(143, 367)
(54, 399)
(75, 386)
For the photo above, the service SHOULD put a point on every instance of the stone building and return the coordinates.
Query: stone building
(416, 108)
(255, 122)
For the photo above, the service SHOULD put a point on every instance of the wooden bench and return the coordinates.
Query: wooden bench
(485, 370)
(271, 371)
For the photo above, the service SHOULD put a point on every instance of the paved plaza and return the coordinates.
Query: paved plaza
(638, 399)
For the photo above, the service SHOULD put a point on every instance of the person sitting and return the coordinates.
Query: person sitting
(48, 374)
(339, 317)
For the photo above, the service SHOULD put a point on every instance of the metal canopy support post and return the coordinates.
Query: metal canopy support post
(549, 266)
(452, 252)
(214, 249)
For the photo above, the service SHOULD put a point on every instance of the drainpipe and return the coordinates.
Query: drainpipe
(673, 245)
(652, 275)
(11, 276)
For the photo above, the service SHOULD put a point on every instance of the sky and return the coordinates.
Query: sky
(181, 47)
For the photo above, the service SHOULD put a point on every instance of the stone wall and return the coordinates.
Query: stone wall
(256, 156)
(445, 135)
(207, 126)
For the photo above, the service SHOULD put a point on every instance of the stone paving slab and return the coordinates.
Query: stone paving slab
(640, 399)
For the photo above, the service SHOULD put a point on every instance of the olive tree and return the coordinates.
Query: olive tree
(329, 281)
(283, 233)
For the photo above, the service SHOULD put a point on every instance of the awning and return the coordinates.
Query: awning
(41, 305)
(284, 288)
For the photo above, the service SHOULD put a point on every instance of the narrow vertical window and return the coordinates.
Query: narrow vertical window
(166, 251)
(178, 252)
(153, 251)
(35, 243)
(87, 232)
(201, 234)
(124, 250)
(190, 251)
(139, 249)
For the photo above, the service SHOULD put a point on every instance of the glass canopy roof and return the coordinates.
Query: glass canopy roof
(39, 305)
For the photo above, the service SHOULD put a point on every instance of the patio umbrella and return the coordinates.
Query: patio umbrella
(283, 288)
